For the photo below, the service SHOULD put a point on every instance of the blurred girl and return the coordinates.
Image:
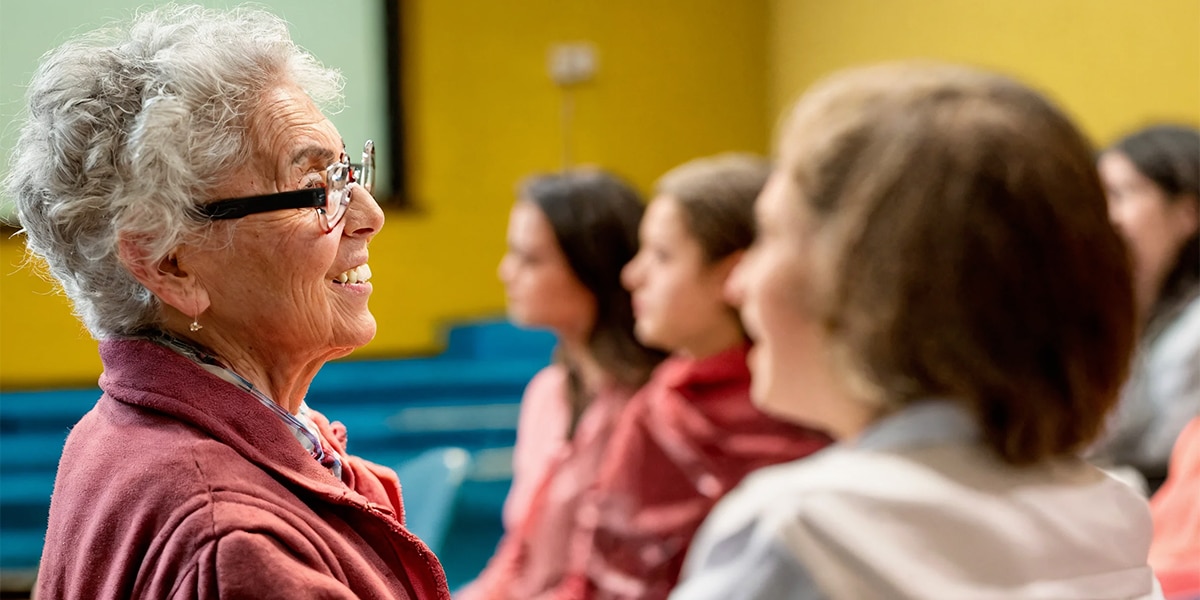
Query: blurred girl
(569, 235)
(936, 283)
(692, 433)
(1152, 178)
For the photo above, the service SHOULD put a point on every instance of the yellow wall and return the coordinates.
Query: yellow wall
(677, 79)
(1112, 64)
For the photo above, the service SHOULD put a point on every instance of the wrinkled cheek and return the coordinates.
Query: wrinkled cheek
(312, 310)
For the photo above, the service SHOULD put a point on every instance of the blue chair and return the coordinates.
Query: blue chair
(429, 483)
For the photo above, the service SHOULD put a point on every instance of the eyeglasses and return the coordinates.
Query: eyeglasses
(331, 196)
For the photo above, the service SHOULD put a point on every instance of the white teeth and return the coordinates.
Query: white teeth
(359, 274)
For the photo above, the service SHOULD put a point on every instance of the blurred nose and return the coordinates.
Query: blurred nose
(630, 273)
(504, 269)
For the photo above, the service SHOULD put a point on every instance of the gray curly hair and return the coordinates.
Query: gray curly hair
(128, 128)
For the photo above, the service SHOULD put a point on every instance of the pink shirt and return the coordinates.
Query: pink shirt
(541, 436)
(550, 474)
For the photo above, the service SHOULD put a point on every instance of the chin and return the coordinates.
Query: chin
(646, 334)
(357, 334)
(766, 397)
(758, 396)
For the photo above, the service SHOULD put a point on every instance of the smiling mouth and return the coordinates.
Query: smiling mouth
(359, 274)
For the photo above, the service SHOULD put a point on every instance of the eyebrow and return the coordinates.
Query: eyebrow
(313, 152)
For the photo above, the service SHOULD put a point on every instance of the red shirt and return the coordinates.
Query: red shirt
(683, 442)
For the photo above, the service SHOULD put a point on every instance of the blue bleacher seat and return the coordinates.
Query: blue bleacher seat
(498, 339)
(430, 483)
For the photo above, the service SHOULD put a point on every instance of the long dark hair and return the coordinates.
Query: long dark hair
(1169, 155)
(595, 217)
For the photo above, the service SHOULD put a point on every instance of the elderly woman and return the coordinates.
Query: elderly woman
(937, 284)
(199, 210)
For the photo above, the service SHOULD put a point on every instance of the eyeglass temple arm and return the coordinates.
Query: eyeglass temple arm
(236, 209)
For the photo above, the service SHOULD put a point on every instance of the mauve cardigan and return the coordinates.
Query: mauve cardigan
(181, 485)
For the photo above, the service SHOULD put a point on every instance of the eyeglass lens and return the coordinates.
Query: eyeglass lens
(337, 179)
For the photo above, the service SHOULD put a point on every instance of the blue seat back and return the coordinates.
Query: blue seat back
(429, 483)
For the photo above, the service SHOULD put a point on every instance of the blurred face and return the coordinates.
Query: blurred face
(281, 290)
(678, 296)
(542, 289)
(1154, 226)
(792, 375)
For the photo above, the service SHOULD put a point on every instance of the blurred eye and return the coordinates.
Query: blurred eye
(522, 257)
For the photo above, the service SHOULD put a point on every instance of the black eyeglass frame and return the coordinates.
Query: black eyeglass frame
(251, 205)
(315, 197)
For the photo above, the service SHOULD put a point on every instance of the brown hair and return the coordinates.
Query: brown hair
(595, 217)
(963, 250)
(716, 195)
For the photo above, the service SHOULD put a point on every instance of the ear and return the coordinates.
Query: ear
(165, 277)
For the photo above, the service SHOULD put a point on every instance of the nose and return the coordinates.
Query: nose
(364, 217)
(629, 273)
(504, 269)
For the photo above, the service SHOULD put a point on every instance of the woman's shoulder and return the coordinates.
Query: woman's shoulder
(952, 501)
(162, 461)
(545, 397)
(551, 380)
(123, 441)
(841, 481)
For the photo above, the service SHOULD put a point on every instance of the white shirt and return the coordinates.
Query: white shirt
(917, 507)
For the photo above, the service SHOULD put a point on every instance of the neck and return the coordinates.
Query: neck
(282, 380)
(839, 407)
(593, 375)
(1146, 289)
(852, 421)
(722, 335)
